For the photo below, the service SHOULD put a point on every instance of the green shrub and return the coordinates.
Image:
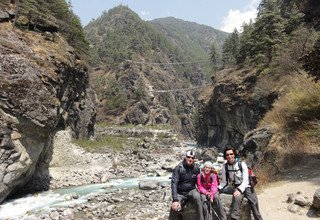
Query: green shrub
(300, 106)
(102, 143)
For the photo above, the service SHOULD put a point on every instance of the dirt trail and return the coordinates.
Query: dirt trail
(304, 178)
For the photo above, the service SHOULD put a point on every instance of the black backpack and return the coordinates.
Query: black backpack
(253, 180)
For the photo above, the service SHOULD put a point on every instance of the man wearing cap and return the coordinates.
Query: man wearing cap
(183, 186)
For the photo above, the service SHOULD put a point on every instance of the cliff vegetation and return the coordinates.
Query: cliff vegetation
(268, 83)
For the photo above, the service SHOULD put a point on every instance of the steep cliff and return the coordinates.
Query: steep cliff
(43, 88)
(231, 107)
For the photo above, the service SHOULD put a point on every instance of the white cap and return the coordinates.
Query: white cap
(190, 153)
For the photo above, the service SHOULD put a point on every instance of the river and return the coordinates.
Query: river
(30, 205)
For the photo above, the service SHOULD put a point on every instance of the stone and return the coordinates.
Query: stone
(294, 208)
(148, 185)
(54, 215)
(301, 201)
(188, 212)
(316, 199)
(105, 178)
(291, 198)
(4, 16)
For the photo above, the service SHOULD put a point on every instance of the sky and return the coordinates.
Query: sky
(224, 15)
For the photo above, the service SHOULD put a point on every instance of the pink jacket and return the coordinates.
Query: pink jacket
(206, 185)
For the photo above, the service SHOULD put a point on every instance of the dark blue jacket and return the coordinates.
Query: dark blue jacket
(184, 179)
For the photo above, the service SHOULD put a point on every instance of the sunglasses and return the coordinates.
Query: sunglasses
(229, 154)
(189, 157)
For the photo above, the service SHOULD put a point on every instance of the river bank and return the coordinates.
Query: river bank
(106, 193)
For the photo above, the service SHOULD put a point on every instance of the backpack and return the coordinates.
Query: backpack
(253, 180)
(211, 178)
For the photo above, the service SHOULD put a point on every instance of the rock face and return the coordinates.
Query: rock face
(232, 109)
(43, 88)
(316, 199)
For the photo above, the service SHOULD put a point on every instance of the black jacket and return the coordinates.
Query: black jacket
(184, 179)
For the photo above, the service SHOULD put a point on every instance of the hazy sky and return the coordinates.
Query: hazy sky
(220, 14)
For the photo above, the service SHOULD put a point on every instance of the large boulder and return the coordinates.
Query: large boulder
(188, 212)
(316, 200)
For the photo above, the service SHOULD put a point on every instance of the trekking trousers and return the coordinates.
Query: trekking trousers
(192, 196)
(218, 208)
(253, 202)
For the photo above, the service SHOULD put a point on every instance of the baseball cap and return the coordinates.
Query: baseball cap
(190, 153)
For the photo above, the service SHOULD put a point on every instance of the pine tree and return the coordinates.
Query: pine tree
(215, 56)
(246, 44)
(268, 33)
(230, 49)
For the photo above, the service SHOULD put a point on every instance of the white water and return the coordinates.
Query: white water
(27, 206)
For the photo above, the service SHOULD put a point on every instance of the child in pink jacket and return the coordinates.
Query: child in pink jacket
(207, 183)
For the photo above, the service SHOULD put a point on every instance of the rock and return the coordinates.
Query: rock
(148, 185)
(209, 154)
(110, 208)
(54, 215)
(71, 196)
(301, 201)
(168, 166)
(105, 178)
(56, 95)
(4, 16)
(291, 198)
(188, 211)
(232, 109)
(68, 213)
(316, 199)
(256, 140)
(293, 208)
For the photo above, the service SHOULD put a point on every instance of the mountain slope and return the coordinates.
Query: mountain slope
(134, 78)
(193, 38)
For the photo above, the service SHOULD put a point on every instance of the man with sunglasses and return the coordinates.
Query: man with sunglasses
(183, 186)
(239, 179)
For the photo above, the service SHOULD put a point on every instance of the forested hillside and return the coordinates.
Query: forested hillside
(134, 60)
(269, 75)
(51, 16)
(194, 39)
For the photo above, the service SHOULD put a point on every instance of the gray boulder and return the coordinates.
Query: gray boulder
(4, 16)
(148, 185)
(316, 199)
(188, 212)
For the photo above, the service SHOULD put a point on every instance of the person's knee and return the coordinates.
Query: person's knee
(237, 199)
(196, 197)
(217, 196)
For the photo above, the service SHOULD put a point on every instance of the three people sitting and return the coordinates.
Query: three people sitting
(200, 187)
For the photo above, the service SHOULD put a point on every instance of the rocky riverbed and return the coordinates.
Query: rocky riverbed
(155, 155)
(158, 152)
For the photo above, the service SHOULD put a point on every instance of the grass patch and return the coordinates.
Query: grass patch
(298, 107)
(104, 143)
(296, 120)
(312, 130)
(103, 124)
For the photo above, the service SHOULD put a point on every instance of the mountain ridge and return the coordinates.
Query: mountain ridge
(119, 37)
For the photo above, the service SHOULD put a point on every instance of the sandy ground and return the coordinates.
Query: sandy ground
(303, 178)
